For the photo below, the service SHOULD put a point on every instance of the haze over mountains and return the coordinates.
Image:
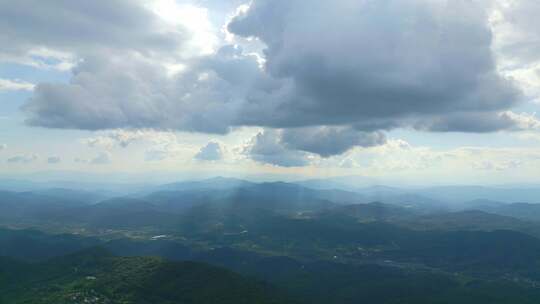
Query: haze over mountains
(284, 234)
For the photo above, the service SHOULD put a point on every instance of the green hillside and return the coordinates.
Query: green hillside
(94, 276)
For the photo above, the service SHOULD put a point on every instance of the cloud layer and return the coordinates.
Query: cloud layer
(321, 77)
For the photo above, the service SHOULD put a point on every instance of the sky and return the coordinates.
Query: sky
(418, 90)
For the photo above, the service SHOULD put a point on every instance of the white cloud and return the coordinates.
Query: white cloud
(523, 121)
(517, 42)
(15, 85)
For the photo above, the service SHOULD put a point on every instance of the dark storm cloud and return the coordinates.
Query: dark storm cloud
(212, 151)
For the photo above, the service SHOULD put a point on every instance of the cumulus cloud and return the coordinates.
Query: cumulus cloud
(523, 121)
(23, 159)
(210, 152)
(130, 92)
(329, 141)
(15, 85)
(481, 122)
(329, 83)
(266, 147)
(54, 160)
(398, 59)
(35, 32)
(520, 37)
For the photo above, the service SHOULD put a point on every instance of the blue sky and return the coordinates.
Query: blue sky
(426, 91)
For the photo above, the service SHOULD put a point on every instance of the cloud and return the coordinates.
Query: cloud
(124, 138)
(3, 147)
(266, 147)
(329, 141)
(35, 32)
(23, 159)
(15, 85)
(328, 83)
(130, 92)
(523, 121)
(212, 151)
(103, 158)
(520, 37)
(54, 160)
(399, 60)
(481, 122)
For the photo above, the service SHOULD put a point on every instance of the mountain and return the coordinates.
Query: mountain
(371, 212)
(60, 208)
(459, 194)
(525, 211)
(24, 206)
(276, 196)
(470, 220)
(87, 197)
(381, 190)
(32, 245)
(412, 201)
(95, 276)
(481, 204)
(348, 183)
(216, 183)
